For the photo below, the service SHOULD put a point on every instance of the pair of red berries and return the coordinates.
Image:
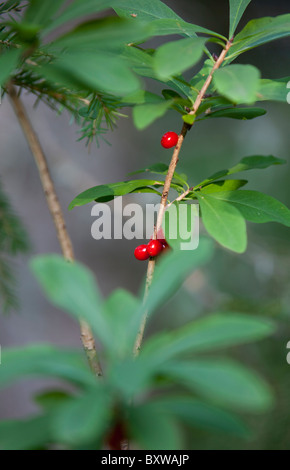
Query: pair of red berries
(169, 140)
(152, 249)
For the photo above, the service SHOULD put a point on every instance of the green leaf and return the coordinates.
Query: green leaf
(164, 27)
(239, 83)
(83, 419)
(199, 79)
(162, 435)
(161, 169)
(237, 113)
(157, 168)
(223, 185)
(146, 114)
(105, 34)
(8, 62)
(50, 400)
(29, 434)
(256, 207)
(201, 415)
(147, 12)
(92, 71)
(78, 9)
(72, 288)
(237, 8)
(224, 382)
(181, 226)
(161, 18)
(131, 376)
(110, 191)
(258, 32)
(121, 307)
(141, 97)
(223, 222)
(175, 267)
(274, 90)
(216, 331)
(140, 61)
(44, 360)
(41, 12)
(186, 53)
(247, 163)
(189, 118)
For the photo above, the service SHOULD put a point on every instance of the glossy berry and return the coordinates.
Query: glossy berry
(154, 247)
(169, 140)
(141, 253)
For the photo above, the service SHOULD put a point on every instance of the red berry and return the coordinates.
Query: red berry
(154, 247)
(169, 140)
(141, 253)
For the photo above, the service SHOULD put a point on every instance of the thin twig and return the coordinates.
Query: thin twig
(167, 185)
(55, 210)
(180, 198)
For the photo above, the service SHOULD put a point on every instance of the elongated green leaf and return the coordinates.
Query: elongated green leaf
(223, 185)
(256, 207)
(237, 113)
(186, 53)
(163, 20)
(131, 376)
(166, 26)
(216, 331)
(201, 415)
(92, 71)
(72, 288)
(223, 222)
(176, 266)
(258, 32)
(41, 12)
(109, 191)
(45, 360)
(121, 308)
(239, 83)
(223, 381)
(199, 79)
(274, 90)
(141, 97)
(145, 11)
(8, 62)
(78, 9)
(161, 169)
(247, 163)
(146, 114)
(163, 435)
(237, 8)
(30, 434)
(140, 61)
(50, 400)
(83, 419)
(104, 34)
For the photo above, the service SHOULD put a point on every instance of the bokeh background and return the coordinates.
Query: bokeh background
(256, 282)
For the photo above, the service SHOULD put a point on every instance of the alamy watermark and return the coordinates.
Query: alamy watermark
(134, 221)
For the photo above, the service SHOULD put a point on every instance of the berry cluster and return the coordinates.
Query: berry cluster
(152, 249)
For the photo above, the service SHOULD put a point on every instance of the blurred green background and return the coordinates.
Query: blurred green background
(256, 282)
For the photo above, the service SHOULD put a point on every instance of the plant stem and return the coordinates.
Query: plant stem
(167, 185)
(55, 210)
(181, 197)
